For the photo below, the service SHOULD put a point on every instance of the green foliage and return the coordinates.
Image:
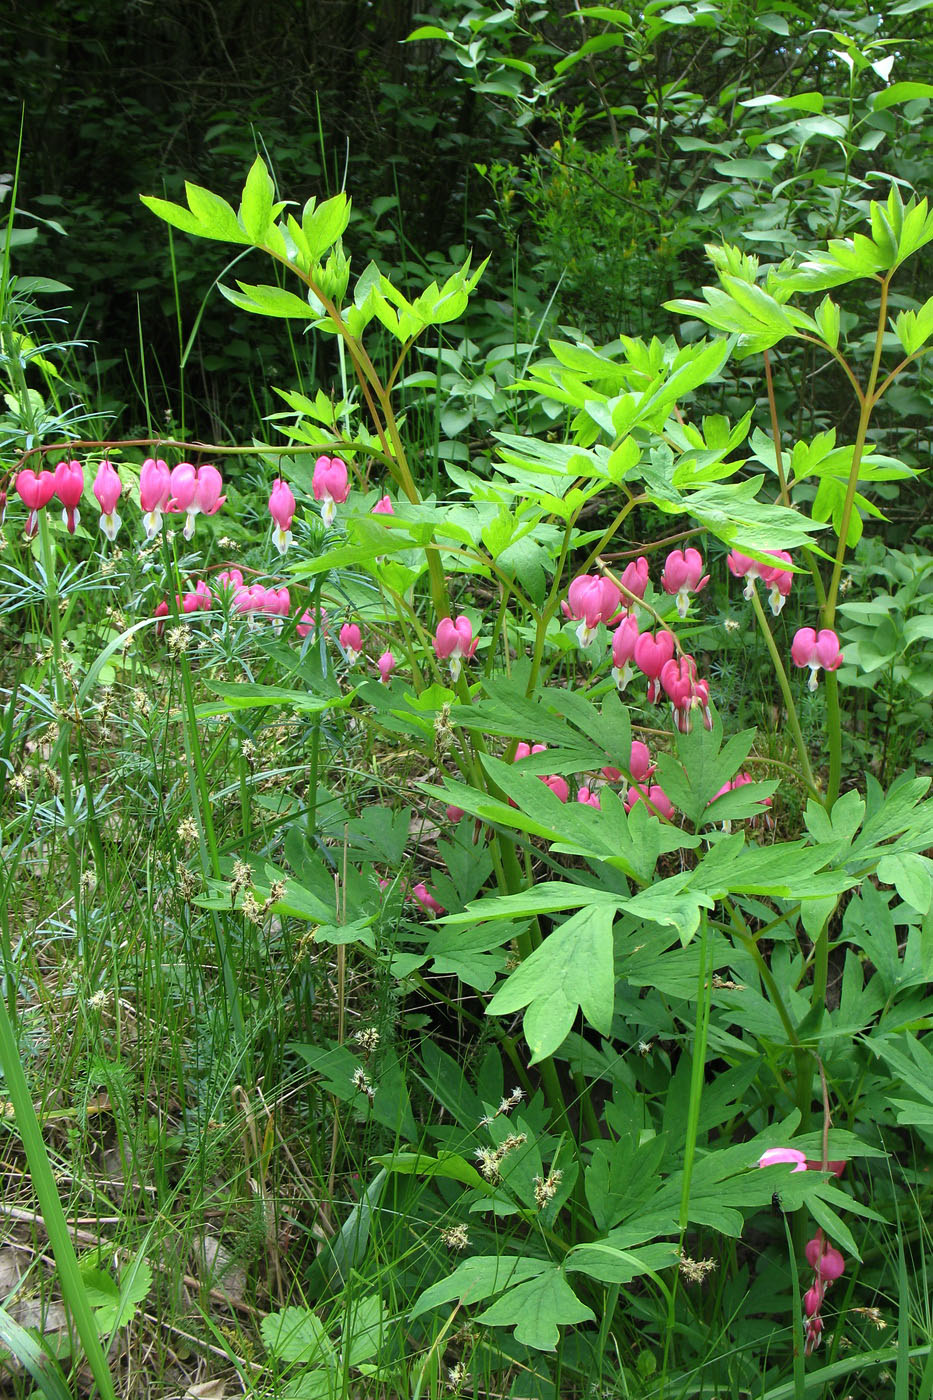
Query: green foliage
(670, 993)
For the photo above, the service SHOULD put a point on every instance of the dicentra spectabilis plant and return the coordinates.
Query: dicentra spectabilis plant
(657, 906)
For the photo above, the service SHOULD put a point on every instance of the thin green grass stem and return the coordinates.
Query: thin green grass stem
(53, 1216)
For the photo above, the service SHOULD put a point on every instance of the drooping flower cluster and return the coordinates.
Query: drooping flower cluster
(828, 1265)
(826, 1262)
(640, 770)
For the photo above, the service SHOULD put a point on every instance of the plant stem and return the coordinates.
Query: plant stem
(783, 682)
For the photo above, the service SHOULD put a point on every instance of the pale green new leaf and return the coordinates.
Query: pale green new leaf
(914, 328)
(256, 203)
(265, 300)
(175, 215)
(900, 92)
(215, 215)
(323, 224)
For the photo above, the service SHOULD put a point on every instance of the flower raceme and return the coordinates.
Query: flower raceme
(816, 649)
(330, 484)
(155, 488)
(592, 600)
(107, 488)
(282, 510)
(686, 693)
(454, 642)
(828, 1265)
(69, 487)
(35, 490)
(683, 574)
(196, 491)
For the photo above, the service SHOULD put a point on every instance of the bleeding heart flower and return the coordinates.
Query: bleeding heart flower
(640, 766)
(651, 655)
(526, 750)
(385, 666)
(229, 579)
(351, 639)
(683, 575)
(199, 600)
(282, 510)
(816, 649)
(454, 641)
(196, 491)
(685, 692)
(656, 797)
(309, 623)
(588, 797)
(634, 579)
(155, 486)
(773, 1156)
(778, 580)
(35, 490)
(593, 600)
(383, 506)
(558, 786)
(107, 488)
(330, 483)
(425, 898)
(69, 487)
(623, 650)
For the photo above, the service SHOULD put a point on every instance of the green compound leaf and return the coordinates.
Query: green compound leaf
(538, 1300)
(538, 1309)
(572, 970)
